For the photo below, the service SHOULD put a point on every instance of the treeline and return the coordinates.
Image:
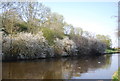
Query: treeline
(32, 30)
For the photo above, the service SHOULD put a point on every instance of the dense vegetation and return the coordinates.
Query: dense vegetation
(32, 31)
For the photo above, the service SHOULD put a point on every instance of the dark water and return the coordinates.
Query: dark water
(101, 67)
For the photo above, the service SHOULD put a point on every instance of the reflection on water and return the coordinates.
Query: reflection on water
(64, 68)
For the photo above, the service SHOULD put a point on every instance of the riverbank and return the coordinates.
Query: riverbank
(65, 55)
(116, 75)
(111, 51)
(27, 46)
(54, 57)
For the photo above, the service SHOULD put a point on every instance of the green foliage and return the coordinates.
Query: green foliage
(116, 75)
(111, 50)
(51, 35)
(22, 27)
(104, 39)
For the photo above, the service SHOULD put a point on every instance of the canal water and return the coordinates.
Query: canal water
(101, 67)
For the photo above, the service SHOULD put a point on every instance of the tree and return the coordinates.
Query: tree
(9, 19)
(68, 29)
(105, 39)
(79, 31)
(32, 13)
(56, 23)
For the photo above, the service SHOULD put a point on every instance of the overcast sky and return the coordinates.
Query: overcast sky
(95, 17)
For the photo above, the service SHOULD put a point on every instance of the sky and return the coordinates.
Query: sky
(95, 17)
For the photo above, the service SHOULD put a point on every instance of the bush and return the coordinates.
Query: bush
(64, 47)
(97, 47)
(51, 35)
(87, 46)
(21, 27)
(26, 46)
(31, 46)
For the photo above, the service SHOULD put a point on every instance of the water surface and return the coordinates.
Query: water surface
(101, 67)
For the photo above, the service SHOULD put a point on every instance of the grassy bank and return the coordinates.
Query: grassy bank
(116, 75)
(111, 51)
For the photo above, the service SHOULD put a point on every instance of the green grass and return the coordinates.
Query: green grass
(111, 50)
(116, 75)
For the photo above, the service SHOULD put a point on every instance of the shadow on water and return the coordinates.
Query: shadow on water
(64, 68)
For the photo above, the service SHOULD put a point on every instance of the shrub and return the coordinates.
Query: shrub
(87, 46)
(26, 46)
(64, 47)
(31, 46)
(51, 35)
